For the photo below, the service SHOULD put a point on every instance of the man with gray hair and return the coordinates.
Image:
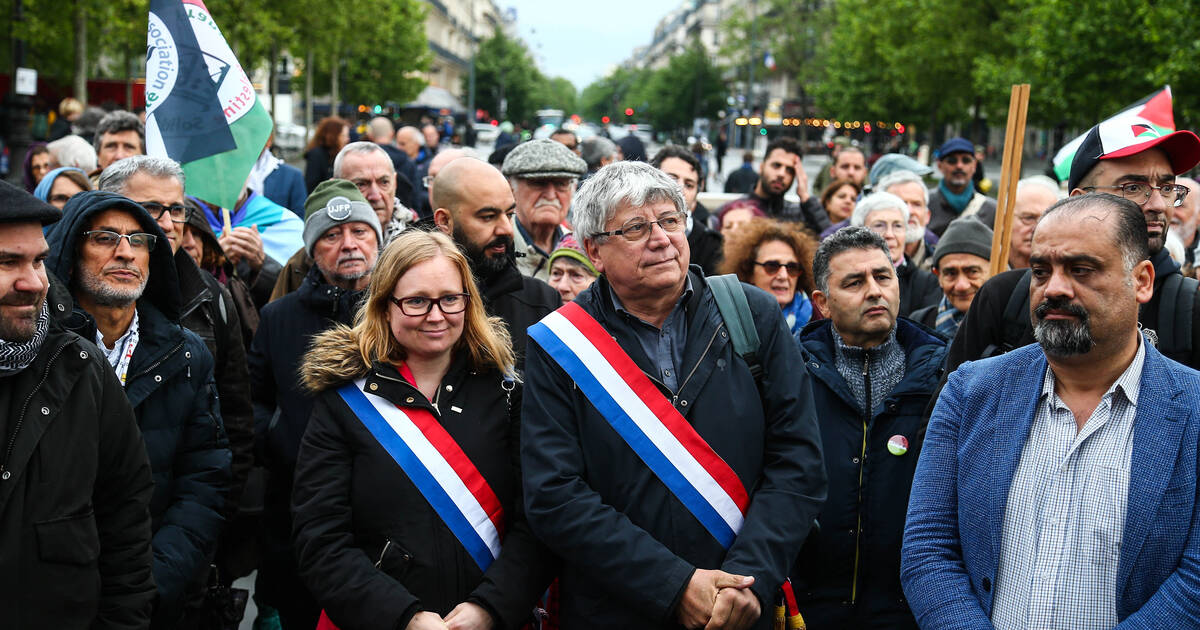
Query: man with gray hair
(597, 152)
(649, 537)
(1034, 195)
(918, 241)
(542, 174)
(873, 374)
(119, 135)
(887, 215)
(208, 309)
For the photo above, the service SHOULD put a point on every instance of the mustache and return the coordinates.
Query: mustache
(1062, 305)
(21, 298)
(351, 258)
(124, 267)
(552, 202)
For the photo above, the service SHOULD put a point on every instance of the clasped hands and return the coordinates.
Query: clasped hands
(718, 600)
(465, 616)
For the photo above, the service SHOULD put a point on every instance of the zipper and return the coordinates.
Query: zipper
(12, 440)
(160, 361)
(862, 462)
(675, 396)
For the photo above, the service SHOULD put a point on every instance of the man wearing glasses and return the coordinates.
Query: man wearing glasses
(542, 174)
(121, 272)
(157, 184)
(956, 196)
(1130, 161)
(675, 480)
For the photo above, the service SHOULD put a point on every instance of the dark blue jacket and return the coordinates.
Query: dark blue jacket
(628, 545)
(285, 186)
(848, 574)
(978, 430)
(173, 394)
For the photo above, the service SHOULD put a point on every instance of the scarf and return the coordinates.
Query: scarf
(798, 312)
(15, 357)
(948, 318)
(262, 169)
(957, 201)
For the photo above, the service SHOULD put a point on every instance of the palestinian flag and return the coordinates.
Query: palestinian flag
(1151, 117)
(201, 109)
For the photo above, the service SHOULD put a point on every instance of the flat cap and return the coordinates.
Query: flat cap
(543, 159)
(18, 206)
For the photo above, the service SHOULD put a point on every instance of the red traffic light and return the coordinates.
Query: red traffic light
(628, 111)
(604, 119)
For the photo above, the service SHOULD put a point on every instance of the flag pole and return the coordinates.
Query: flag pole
(1010, 173)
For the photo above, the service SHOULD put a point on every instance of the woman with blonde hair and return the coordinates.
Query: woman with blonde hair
(777, 258)
(407, 496)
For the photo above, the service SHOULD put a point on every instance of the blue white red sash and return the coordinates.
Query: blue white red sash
(645, 419)
(437, 466)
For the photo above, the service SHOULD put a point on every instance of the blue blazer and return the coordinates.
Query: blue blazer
(953, 533)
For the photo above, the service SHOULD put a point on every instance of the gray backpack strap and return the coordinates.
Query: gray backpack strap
(735, 310)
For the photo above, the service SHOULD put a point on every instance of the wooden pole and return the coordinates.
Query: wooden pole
(1010, 173)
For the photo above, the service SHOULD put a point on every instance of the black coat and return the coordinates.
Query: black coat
(918, 288)
(519, 300)
(74, 495)
(628, 545)
(318, 166)
(281, 412)
(408, 183)
(941, 214)
(342, 526)
(706, 245)
(848, 574)
(171, 388)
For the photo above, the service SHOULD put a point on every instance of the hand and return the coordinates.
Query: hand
(801, 180)
(696, 605)
(735, 609)
(244, 243)
(468, 616)
(426, 621)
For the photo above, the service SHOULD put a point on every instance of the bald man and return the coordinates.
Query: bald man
(475, 206)
(438, 162)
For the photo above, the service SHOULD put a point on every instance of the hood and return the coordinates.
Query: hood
(199, 220)
(332, 359)
(162, 289)
(43, 188)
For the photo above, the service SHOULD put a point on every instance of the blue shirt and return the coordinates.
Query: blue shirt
(663, 346)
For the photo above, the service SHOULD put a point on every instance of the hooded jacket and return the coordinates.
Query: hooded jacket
(854, 581)
(171, 388)
(226, 274)
(342, 528)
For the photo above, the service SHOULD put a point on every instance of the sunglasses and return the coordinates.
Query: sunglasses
(772, 267)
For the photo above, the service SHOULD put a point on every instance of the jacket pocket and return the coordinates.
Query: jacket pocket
(69, 540)
(394, 560)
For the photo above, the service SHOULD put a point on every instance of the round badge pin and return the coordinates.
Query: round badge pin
(338, 208)
(897, 445)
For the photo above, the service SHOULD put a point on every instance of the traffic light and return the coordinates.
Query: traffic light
(605, 119)
(378, 109)
(628, 111)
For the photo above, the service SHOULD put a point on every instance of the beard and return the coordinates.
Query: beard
(482, 263)
(104, 294)
(21, 329)
(1063, 338)
(342, 276)
(913, 234)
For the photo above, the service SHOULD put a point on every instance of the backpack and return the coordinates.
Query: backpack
(735, 310)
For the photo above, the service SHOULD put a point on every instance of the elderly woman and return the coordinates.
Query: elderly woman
(570, 270)
(777, 258)
(60, 184)
(407, 497)
(887, 215)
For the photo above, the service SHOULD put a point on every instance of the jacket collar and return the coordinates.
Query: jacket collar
(923, 351)
(327, 300)
(192, 287)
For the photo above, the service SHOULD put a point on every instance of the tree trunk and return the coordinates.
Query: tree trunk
(128, 80)
(273, 82)
(80, 75)
(308, 92)
(333, 87)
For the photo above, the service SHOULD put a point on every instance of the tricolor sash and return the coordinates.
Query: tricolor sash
(645, 419)
(438, 467)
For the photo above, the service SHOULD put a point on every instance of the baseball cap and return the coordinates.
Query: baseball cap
(955, 145)
(1120, 137)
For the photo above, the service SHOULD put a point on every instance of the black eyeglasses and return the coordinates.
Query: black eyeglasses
(772, 267)
(1139, 192)
(179, 212)
(635, 229)
(110, 240)
(418, 305)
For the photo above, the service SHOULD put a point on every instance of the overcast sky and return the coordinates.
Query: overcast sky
(581, 40)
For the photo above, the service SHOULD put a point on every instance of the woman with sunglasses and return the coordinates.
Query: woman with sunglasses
(777, 258)
(407, 494)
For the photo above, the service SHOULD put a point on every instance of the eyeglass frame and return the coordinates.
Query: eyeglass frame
(399, 302)
(680, 215)
(793, 268)
(151, 239)
(187, 210)
(1181, 190)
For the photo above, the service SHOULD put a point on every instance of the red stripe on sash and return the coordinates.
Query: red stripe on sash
(658, 403)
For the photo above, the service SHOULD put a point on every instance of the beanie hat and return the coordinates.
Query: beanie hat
(569, 248)
(334, 202)
(966, 235)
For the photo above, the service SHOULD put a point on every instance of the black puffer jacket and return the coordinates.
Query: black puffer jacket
(918, 288)
(520, 301)
(342, 527)
(848, 574)
(74, 495)
(171, 388)
(281, 412)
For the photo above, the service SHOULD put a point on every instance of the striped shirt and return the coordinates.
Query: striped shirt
(1065, 516)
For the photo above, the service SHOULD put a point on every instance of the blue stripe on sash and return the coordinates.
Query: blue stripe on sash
(418, 474)
(633, 435)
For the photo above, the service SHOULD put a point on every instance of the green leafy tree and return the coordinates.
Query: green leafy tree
(689, 87)
(557, 93)
(507, 82)
(611, 94)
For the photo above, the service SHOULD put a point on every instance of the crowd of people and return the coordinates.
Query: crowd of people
(412, 388)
